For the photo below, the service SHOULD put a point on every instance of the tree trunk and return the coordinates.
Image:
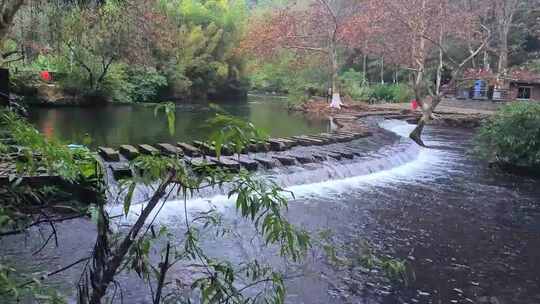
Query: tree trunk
(486, 61)
(8, 9)
(104, 270)
(336, 97)
(502, 65)
(427, 113)
(382, 70)
(364, 67)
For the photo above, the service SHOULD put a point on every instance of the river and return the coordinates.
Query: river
(469, 233)
(114, 125)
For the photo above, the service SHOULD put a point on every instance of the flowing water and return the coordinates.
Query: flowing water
(469, 233)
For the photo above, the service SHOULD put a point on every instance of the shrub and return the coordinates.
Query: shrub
(402, 93)
(512, 136)
(23, 82)
(354, 85)
(147, 84)
(381, 93)
(117, 85)
(390, 93)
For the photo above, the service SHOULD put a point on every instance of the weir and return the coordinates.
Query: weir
(313, 169)
(273, 152)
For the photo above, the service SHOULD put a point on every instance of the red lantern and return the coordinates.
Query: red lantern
(45, 76)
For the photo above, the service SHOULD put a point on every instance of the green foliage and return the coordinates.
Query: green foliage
(24, 81)
(257, 200)
(234, 131)
(355, 85)
(390, 93)
(512, 135)
(37, 152)
(284, 74)
(170, 110)
(205, 36)
(146, 84)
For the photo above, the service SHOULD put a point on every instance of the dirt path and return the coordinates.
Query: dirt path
(448, 107)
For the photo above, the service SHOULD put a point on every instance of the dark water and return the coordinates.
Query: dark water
(469, 234)
(114, 125)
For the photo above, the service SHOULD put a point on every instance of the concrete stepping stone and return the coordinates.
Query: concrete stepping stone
(288, 142)
(303, 159)
(343, 138)
(189, 150)
(227, 163)
(129, 152)
(205, 148)
(335, 156)
(248, 163)
(232, 147)
(225, 149)
(169, 149)
(343, 153)
(109, 154)
(148, 150)
(120, 170)
(327, 136)
(318, 141)
(320, 156)
(259, 146)
(351, 150)
(306, 141)
(276, 145)
(200, 161)
(285, 160)
(266, 162)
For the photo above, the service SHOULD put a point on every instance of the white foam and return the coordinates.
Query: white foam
(418, 168)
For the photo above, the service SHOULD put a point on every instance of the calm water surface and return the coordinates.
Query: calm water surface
(115, 125)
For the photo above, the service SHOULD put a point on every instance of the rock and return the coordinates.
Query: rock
(148, 150)
(189, 150)
(169, 149)
(109, 154)
(129, 152)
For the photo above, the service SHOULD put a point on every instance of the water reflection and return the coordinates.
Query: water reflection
(114, 125)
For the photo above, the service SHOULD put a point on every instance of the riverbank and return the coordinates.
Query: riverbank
(448, 113)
